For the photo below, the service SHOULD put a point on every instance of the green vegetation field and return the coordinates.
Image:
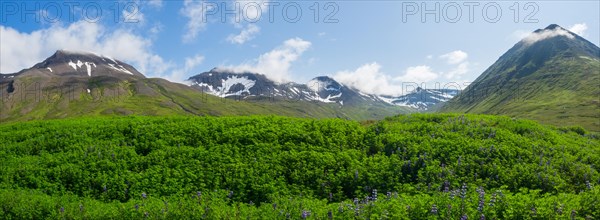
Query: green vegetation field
(420, 166)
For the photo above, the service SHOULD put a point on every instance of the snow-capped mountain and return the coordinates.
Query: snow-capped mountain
(73, 63)
(421, 99)
(320, 89)
(253, 86)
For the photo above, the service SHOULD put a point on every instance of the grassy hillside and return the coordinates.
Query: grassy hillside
(564, 92)
(553, 81)
(52, 98)
(442, 166)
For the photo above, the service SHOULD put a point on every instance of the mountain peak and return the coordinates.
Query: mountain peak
(552, 27)
(70, 62)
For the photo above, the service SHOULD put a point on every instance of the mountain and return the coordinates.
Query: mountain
(551, 76)
(75, 84)
(323, 89)
(249, 86)
(422, 99)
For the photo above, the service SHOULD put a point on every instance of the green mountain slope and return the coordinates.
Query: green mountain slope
(272, 167)
(75, 84)
(552, 76)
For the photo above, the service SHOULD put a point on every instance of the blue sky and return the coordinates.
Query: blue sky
(375, 46)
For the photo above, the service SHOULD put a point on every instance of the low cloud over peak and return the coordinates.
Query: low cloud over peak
(276, 63)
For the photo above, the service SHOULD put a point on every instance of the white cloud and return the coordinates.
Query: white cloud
(418, 74)
(276, 63)
(156, 3)
(246, 34)
(579, 29)
(545, 34)
(22, 50)
(368, 79)
(179, 75)
(455, 57)
(156, 29)
(194, 12)
(191, 62)
(252, 10)
(458, 71)
(133, 16)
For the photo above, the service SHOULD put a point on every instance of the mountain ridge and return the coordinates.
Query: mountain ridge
(552, 78)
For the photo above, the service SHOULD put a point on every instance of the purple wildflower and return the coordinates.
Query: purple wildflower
(481, 199)
(305, 214)
(434, 209)
(374, 194)
(588, 184)
(463, 191)
(144, 196)
(62, 209)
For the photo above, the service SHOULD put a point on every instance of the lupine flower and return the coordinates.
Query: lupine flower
(329, 214)
(588, 184)
(305, 214)
(453, 193)
(464, 217)
(330, 196)
(533, 210)
(446, 186)
(144, 196)
(493, 199)
(389, 195)
(481, 199)
(62, 209)
(482, 217)
(463, 191)
(374, 194)
(573, 214)
(434, 209)
(136, 207)
(355, 201)
(230, 194)
(274, 206)
(559, 210)
(104, 188)
(199, 194)
(80, 207)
